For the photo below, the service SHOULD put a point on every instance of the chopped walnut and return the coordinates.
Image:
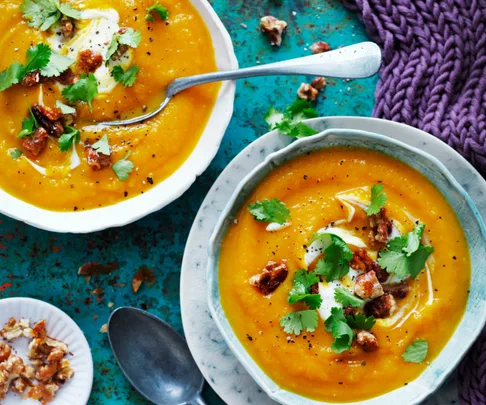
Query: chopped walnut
(367, 340)
(44, 393)
(271, 277)
(67, 27)
(31, 79)
(320, 47)
(122, 48)
(368, 286)
(381, 227)
(381, 307)
(104, 328)
(89, 61)
(307, 92)
(48, 118)
(362, 262)
(143, 274)
(37, 142)
(273, 28)
(14, 329)
(97, 161)
(5, 351)
(398, 290)
(67, 77)
(95, 268)
(319, 83)
(10, 369)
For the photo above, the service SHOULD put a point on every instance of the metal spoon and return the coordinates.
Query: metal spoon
(350, 62)
(154, 358)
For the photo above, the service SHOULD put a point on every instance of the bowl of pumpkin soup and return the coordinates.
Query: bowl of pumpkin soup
(347, 268)
(67, 65)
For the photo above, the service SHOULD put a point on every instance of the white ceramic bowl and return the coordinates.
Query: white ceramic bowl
(474, 318)
(171, 188)
(59, 326)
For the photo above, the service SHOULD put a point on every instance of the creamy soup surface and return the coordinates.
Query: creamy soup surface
(178, 46)
(328, 191)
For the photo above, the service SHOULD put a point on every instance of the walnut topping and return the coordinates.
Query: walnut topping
(14, 329)
(122, 48)
(381, 307)
(318, 83)
(367, 340)
(381, 227)
(48, 118)
(362, 262)
(89, 61)
(31, 79)
(398, 290)
(320, 47)
(368, 286)
(96, 160)
(37, 142)
(273, 28)
(271, 277)
(307, 92)
(67, 27)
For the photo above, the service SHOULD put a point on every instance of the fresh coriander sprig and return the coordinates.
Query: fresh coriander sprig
(65, 109)
(29, 125)
(272, 210)
(406, 255)
(302, 283)
(341, 332)
(15, 153)
(335, 263)
(57, 65)
(159, 9)
(290, 122)
(102, 146)
(347, 298)
(123, 167)
(85, 89)
(126, 78)
(360, 321)
(71, 135)
(378, 199)
(130, 38)
(296, 322)
(416, 352)
(43, 14)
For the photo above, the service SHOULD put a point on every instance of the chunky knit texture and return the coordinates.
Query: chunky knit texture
(434, 78)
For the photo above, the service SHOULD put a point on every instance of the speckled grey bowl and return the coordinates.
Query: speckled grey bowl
(475, 316)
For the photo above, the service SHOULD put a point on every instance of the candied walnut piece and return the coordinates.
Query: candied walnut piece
(398, 290)
(19, 385)
(368, 286)
(314, 288)
(89, 61)
(362, 262)
(381, 307)
(271, 277)
(44, 393)
(96, 160)
(367, 340)
(320, 47)
(273, 28)
(67, 77)
(31, 79)
(5, 351)
(65, 372)
(122, 48)
(144, 274)
(13, 329)
(48, 118)
(350, 310)
(307, 92)
(67, 27)
(381, 227)
(319, 83)
(95, 268)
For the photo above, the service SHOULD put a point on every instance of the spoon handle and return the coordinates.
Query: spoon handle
(351, 62)
(197, 401)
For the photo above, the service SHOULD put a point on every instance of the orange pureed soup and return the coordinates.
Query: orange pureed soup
(178, 46)
(327, 191)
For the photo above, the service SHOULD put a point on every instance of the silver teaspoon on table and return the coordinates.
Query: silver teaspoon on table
(350, 62)
(154, 358)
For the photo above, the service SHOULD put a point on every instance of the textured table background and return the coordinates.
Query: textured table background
(44, 265)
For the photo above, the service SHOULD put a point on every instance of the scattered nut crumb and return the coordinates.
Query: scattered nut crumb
(273, 28)
(307, 92)
(144, 274)
(318, 83)
(320, 47)
(104, 328)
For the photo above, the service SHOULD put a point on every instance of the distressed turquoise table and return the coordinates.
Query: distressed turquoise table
(44, 265)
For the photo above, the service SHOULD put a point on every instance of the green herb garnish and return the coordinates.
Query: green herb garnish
(71, 135)
(302, 283)
(123, 167)
(335, 263)
(57, 65)
(85, 89)
(29, 125)
(416, 352)
(43, 14)
(296, 322)
(290, 122)
(102, 146)
(270, 211)
(360, 321)
(126, 78)
(378, 199)
(130, 38)
(15, 153)
(347, 298)
(65, 109)
(341, 332)
(160, 10)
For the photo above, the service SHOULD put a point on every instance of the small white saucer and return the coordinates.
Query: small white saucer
(59, 326)
(216, 361)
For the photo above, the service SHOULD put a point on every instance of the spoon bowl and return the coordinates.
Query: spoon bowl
(154, 358)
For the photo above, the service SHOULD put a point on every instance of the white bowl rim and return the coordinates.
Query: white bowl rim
(167, 191)
(242, 355)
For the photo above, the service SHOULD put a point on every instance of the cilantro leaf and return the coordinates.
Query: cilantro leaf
(123, 167)
(130, 38)
(13, 75)
(29, 125)
(37, 57)
(65, 109)
(160, 10)
(296, 322)
(43, 14)
(57, 65)
(66, 140)
(289, 123)
(337, 315)
(416, 352)
(15, 153)
(127, 78)
(85, 89)
(270, 211)
(335, 263)
(378, 199)
(302, 283)
(341, 332)
(360, 321)
(406, 255)
(346, 298)
(102, 146)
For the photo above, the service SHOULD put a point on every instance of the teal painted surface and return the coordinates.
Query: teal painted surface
(44, 265)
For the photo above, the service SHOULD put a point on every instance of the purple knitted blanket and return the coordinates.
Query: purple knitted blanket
(434, 78)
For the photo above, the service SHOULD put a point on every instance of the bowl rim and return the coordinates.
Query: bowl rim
(171, 188)
(220, 229)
